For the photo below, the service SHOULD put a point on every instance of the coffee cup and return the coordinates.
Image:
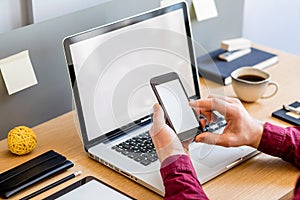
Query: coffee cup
(251, 84)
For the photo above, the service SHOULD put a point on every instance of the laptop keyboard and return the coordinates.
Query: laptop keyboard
(139, 148)
(213, 127)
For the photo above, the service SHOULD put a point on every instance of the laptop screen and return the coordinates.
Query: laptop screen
(111, 66)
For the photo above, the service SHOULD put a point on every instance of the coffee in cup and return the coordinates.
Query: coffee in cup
(250, 84)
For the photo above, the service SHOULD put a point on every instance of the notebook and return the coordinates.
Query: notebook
(219, 71)
(287, 115)
(31, 172)
(110, 68)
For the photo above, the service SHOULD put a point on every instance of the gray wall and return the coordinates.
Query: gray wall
(52, 96)
(228, 24)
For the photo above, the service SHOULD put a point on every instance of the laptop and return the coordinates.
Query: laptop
(110, 68)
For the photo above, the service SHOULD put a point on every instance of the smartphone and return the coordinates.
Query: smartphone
(173, 99)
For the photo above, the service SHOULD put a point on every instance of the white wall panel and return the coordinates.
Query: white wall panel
(273, 23)
(47, 9)
(10, 15)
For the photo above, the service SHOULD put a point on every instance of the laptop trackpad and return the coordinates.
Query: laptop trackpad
(212, 155)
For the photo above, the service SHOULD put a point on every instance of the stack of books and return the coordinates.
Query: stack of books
(213, 68)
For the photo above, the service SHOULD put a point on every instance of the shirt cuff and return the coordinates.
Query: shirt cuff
(272, 140)
(174, 162)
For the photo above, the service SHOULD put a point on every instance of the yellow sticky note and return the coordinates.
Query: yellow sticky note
(17, 72)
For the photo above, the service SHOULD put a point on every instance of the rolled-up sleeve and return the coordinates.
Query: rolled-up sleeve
(281, 142)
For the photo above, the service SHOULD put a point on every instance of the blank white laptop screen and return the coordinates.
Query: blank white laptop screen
(113, 70)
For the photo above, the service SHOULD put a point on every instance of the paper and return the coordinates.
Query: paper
(205, 9)
(17, 72)
(294, 115)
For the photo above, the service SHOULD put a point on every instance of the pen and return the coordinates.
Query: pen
(77, 173)
(291, 109)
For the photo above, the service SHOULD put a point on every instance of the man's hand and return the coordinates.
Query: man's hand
(164, 138)
(241, 128)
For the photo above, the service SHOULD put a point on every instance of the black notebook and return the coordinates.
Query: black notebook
(288, 116)
(31, 172)
(212, 68)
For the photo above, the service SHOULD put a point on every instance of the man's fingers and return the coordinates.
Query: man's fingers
(210, 104)
(158, 116)
(158, 120)
(223, 139)
(221, 97)
(208, 138)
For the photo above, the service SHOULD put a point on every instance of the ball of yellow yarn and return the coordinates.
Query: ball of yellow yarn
(21, 140)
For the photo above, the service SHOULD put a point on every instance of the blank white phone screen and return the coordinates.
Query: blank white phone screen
(177, 106)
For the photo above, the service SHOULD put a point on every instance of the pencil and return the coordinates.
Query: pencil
(52, 185)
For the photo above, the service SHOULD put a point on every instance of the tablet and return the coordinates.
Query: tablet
(89, 188)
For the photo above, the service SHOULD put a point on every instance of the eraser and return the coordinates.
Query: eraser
(235, 44)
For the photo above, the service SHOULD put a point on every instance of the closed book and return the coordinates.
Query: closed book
(288, 116)
(33, 171)
(219, 71)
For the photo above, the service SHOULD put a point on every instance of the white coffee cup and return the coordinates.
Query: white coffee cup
(251, 84)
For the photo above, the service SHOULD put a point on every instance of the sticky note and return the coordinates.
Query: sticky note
(205, 9)
(17, 72)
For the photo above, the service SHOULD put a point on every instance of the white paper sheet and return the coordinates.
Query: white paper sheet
(17, 72)
(205, 9)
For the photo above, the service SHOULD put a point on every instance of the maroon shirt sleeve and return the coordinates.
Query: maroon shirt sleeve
(180, 179)
(283, 143)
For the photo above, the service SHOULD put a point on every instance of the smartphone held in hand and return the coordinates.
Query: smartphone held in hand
(173, 99)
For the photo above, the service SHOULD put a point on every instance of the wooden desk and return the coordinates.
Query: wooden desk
(262, 177)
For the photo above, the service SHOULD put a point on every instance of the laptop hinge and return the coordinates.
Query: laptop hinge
(127, 129)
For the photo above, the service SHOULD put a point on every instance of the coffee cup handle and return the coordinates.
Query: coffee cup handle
(275, 91)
